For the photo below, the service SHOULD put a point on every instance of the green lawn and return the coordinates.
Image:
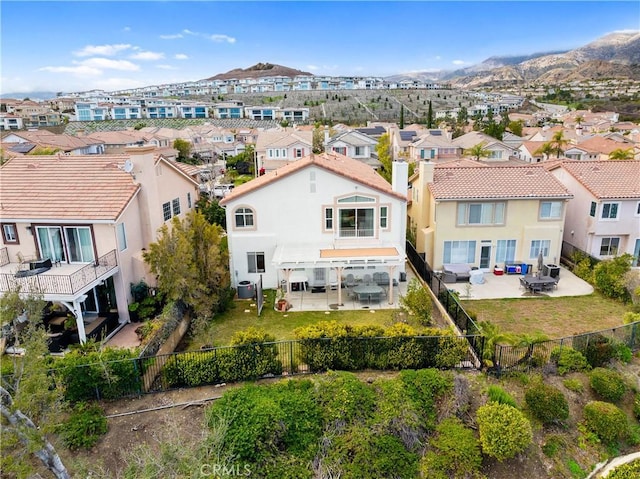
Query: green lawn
(554, 317)
(281, 325)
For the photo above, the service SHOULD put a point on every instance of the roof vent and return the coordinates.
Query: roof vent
(32, 166)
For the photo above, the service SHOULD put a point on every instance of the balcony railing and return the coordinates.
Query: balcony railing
(63, 284)
(356, 233)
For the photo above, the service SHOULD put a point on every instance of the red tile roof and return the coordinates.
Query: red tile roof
(339, 164)
(65, 187)
(607, 179)
(496, 182)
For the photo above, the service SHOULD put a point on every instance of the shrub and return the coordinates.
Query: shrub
(84, 427)
(107, 374)
(636, 406)
(607, 384)
(546, 403)
(552, 444)
(631, 470)
(425, 387)
(598, 349)
(499, 395)
(630, 317)
(417, 302)
(455, 453)
(608, 276)
(344, 399)
(606, 421)
(574, 385)
(569, 360)
(504, 430)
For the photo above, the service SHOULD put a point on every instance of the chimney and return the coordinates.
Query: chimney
(326, 135)
(400, 177)
(426, 172)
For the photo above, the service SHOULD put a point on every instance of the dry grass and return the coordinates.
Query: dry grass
(553, 317)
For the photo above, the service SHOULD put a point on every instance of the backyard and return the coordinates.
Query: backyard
(554, 317)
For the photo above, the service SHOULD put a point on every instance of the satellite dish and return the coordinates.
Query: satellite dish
(128, 166)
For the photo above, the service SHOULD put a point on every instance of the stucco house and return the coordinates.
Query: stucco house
(498, 151)
(74, 227)
(485, 216)
(277, 148)
(324, 216)
(603, 218)
(355, 145)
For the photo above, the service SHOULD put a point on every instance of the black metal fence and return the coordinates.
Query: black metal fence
(596, 346)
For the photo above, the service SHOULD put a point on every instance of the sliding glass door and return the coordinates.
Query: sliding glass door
(79, 244)
(50, 243)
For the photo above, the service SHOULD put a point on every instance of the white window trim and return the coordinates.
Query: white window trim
(601, 218)
(244, 228)
(121, 233)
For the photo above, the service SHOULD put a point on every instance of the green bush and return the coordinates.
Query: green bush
(547, 403)
(631, 470)
(598, 349)
(636, 406)
(455, 452)
(607, 384)
(344, 399)
(417, 302)
(569, 360)
(574, 385)
(552, 444)
(606, 421)
(107, 374)
(425, 387)
(608, 276)
(499, 395)
(630, 317)
(84, 427)
(332, 346)
(504, 430)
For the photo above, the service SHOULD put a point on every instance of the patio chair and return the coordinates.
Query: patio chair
(349, 283)
(382, 279)
(366, 279)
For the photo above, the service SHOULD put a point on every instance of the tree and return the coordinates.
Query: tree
(318, 139)
(402, 117)
(30, 401)
(383, 149)
(462, 118)
(212, 211)
(243, 162)
(417, 302)
(546, 149)
(558, 141)
(515, 127)
(191, 261)
(621, 154)
(430, 115)
(184, 149)
(478, 151)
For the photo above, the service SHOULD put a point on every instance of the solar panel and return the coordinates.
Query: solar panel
(407, 135)
(23, 147)
(435, 132)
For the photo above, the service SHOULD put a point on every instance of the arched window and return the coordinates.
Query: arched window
(244, 218)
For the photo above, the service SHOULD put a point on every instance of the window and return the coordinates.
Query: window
(592, 211)
(328, 219)
(609, 211)
(176, 206)
(481, 213)
(189, 205)
(638, 209)
(79, 244)
(384, 216)
(356, 222)
(166, 211)
(10, 233)
(537, 246)
(609, 246)
(298, 153)
(340, 149)
(359, 150)
(244, 218)
(505, 251)
(459, 252)
(255, 262)
(551, 210)
(121, 233)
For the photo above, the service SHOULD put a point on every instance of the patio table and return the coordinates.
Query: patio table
(368, 291)
(536, 284)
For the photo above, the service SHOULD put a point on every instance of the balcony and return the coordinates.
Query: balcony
(64, 280)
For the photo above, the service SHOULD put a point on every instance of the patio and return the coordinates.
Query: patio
(509, 286)
(314, 299)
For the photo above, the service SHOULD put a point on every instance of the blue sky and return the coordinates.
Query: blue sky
(76, 46)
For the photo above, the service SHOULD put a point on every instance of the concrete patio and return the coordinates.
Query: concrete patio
(508, 286)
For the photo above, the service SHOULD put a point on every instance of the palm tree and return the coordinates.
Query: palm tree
(559, 142)
(620, 154)
(546, 149)
(478, 151)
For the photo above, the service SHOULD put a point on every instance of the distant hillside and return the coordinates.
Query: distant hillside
(32, 95)
(260, 70)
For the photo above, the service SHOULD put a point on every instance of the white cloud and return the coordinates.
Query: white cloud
(217, 37)
(105, 50)
(438, 57)
(166, 67)
(171, 37)
(77, 70)
(312, 67)
(181, 56)
(126, 29)
(458, 62)
(147, 56)
(106, 63)
(188, 32)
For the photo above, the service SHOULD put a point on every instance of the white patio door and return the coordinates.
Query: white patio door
(485, 256)
(79, 244)
(50, 243)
